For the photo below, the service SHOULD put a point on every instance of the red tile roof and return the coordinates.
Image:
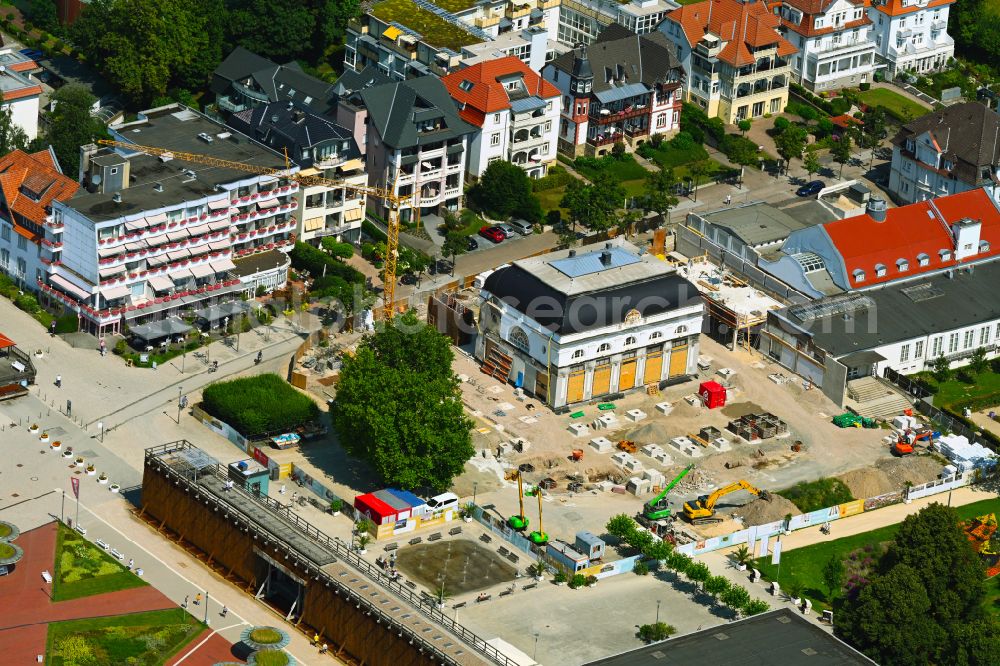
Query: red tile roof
(741, 26)
(487, 94)
(908, 231)
(896, 8)
(38, 173)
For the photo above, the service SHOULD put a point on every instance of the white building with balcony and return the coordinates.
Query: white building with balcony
(737, 63)
(576, 325)
(148, 237)
(912, 35)
(835, 50)
(581, 21)
(515, 110)
(416, 145)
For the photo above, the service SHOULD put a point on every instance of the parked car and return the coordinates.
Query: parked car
(408, 278)
(494, 234)
(811, 188)
(522, 227)
(508, 231)
(473, 244)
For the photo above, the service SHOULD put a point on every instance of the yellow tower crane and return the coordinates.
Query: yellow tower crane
(394, 201)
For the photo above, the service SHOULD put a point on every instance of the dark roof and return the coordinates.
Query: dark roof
(647, 59)
(278, 82)
(900, 311)
(523, 290)
(776, 637)
(239, 64)
(395, 108)
(256, 263)
(351, 81)
(292, 126)
(966, 133)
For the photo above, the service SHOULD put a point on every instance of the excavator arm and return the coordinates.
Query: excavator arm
(702, 510)
(731, 488)
(652, 504)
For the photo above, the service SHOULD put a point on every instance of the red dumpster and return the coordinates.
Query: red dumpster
(713, 394)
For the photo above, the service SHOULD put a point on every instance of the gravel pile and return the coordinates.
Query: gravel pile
(913, 468)
(762, 511)
(867, 482)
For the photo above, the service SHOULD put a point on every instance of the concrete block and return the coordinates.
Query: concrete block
(655, 477)
(578, 429)
(638, 486)
(664, 459)
(664, 408)
(601, 444)
(652, 449)
(520, 444)
(692, 399)
(620, 457)
(504, 448)
(635, 415)
(720, 444)
(608, 420)
(633, 465)
(605, 485)
(681, 443)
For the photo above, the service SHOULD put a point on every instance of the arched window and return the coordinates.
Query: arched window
(603, 348)
(630, 340)
(578, 353)
(655, 335)
(519, 339)
(682, 329)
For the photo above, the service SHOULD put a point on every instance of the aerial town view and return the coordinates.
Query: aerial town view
(499, 332)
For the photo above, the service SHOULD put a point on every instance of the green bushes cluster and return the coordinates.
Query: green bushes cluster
(697, 123)
(259, 404)
(818, 494)
(556, 177)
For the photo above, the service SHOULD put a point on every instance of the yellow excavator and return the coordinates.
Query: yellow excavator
(702, 510)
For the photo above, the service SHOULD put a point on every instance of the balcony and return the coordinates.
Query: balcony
(843, 47)
(227, 104)
(605, 116)
(763, 65)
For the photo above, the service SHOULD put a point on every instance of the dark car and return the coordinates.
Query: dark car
(494, 234)
(473, 244)
(408, 278)
(811, 188)
(34, 54)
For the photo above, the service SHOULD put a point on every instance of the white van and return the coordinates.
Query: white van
(442, 502)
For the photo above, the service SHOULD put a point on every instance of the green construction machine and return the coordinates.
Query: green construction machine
(657, 508)
(851, 420)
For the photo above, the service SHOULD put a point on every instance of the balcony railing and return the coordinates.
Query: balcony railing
(602, 118)
(772, 65)
(845, 45)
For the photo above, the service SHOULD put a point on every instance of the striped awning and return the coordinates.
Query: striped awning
(202, 270)
(223, 265)
(157, 240)
(177, 255)
(161, 283)
(109, 272)
(217, 246)
(353, 215)
(136, 225)
(119, 291)
(218, 225)
(267, 203)
(68, 287)
(219, 204)
(199, 230)
(182, 274)
(180, 234)
(159, 218)
(153, 262)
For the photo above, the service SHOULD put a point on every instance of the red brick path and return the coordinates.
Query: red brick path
(28, 608)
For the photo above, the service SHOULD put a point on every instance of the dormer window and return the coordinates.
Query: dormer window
(578, 353)
(923, 259)
(902, 265)
(859, 275)
(945, 255)
(879, 270)
(984, 246)
(947, 165)
(603, 348)
(465, 85)
(910, 146)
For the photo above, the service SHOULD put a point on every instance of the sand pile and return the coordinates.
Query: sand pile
(867, 482)
(915, 469)
(762, 511)
(649, 433)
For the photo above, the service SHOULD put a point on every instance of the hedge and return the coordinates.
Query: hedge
(258, 405)
(306, 257)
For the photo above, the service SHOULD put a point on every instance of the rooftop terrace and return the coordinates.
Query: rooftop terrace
(432, 28)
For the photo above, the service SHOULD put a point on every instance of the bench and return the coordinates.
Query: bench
(485, 538)
(434, 537)
(390, 546)
(103, 545)
(415, 540)
(506, 593)
(512, 557)
(459, 605)
(47, 577)
(503, 551)
(410, 584)
(117, 555)
(530, 586)
(455, 530)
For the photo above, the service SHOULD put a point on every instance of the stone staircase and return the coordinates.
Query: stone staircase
(874, 398)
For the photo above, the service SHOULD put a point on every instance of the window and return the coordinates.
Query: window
(953, 343)
(776, 105)
(682, 329)
(495, 139)
(879, 270)
(918, 349)
(923, 259)
(904, 353)
(984, 335)
(5, 232)
(656, 335)
(903, 265)
(22, 243)
(936, 347)
(661, 120)
(970, 337)
(859, 275)
(519, 338)
(22, 267)
(630, 340)
(496, 118)
(4, 258)
(945, 255)
(465, 85)
(578, 353)
(603, 348)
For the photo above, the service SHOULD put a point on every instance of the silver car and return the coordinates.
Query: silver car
(523, 227)
(508, 230)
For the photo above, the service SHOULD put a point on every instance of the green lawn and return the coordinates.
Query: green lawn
(899, 106)
(667, 156)
(82, 569)
(549, 199)
(139, 638)
(622, 170)
(955, 390)
(805, 565)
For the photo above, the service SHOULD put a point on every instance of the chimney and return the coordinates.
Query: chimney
(606, 257)
(572, 253)
(876, 209)
(117, 197)
(157, 187)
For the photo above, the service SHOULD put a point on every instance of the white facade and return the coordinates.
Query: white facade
(24, 114)
(580, 21)
(916, 39)
(526, 139)
(918, 354)
(325, 211)
(830, 60)
(920, 173)
(19, 257)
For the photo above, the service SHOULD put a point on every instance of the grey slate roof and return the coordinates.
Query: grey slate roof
(239, 64)
(351, 81)
(278, 82)
(902, 311)
(967, 132)
(292, 126)
(395, 108)
(647, 59)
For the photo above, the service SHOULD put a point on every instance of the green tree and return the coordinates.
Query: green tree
(978, 362)
(698, 170)
(941, 369)
(71, 125)
(594, 205)
(811, 163)
(976, 642)
(736, 598)
(335, 248)
(43, 14)
(833, 574)
(716, 585)
(12, 137)
(620, 526)
(277, 29)
(890, 620)
(791, 143)
(455, 243)
(698, 572)
(660, 631)
(399, 406)
(679, 562)
(841, 152)
(576, 200)
(744, 126)
(505, 191)
(872, 130)
(660, 192)
(755, 607)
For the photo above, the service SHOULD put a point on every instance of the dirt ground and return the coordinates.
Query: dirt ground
(769, 464)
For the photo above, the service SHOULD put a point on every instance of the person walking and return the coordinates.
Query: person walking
(197, 599)
(224, 612)
(131, 563)
(104, 348)
(58, 381)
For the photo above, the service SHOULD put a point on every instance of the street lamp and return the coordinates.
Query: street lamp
(657, 611)
(179, 390)
(475, 486)
(534, 654)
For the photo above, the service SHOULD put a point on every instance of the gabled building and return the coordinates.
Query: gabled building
(321, 148)
(576, 325)
(911, 35)
(29, 185)
(21, 92)
(952, 150)
(245, 80)
(622, 88)
(738, 64)
(515, 110)
(832, 37)
(416, 145)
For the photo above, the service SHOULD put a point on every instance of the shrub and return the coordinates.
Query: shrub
(306, 257)
(660, 631)
(781, 124)
(865, 86)
(683, 141)
(578, 580)
(819, 494)
(258, 405)
(121, 348)
(839, 106)
(27, 302)
(640, 569)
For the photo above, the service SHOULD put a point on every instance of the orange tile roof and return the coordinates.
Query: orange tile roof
(908, 231)
(38, 173)
(24, 66)
(741, 26)
(896, 8)
(20, 93)
(487, 94)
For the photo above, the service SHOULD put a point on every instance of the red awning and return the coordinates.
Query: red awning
(5, 342)
(374, 508)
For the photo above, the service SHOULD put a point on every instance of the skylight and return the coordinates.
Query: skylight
(465, 85)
